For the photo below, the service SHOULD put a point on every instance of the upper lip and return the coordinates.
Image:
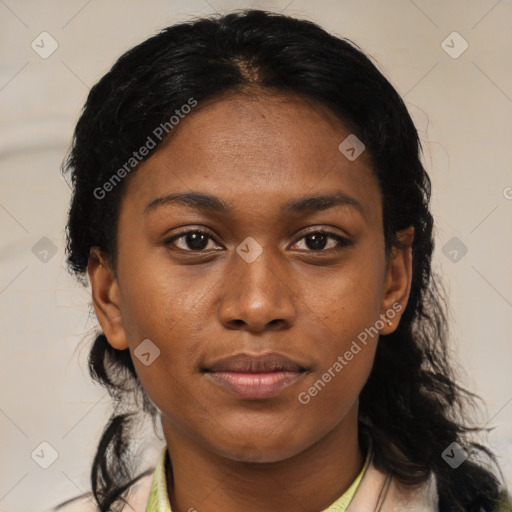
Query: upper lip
(255, 363)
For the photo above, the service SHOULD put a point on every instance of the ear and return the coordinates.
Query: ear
(397, 284)
(105, 298)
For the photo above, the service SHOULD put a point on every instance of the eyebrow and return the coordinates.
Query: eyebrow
(209, 203)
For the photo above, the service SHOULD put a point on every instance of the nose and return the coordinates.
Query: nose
(257, 296)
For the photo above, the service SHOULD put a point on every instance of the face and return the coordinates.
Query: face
(247, 267)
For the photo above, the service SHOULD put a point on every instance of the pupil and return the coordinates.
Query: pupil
(319, 241)
(197, 241)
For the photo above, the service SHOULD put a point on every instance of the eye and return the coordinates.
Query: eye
(195, 240)
(317, 241)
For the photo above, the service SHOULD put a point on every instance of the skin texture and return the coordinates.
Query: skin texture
(254, 153)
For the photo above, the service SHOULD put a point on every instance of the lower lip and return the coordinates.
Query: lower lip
(255, 386)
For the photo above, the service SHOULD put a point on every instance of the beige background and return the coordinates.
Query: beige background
(462, 107)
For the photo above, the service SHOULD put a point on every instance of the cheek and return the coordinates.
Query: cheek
(175, 324)
(347, 306)
(153, 310)
(337, 382)
(156, 300)
(348, 299)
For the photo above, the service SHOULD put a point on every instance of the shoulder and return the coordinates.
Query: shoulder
(505, 502)
(380, 491)
(423, 498)
(137, 498)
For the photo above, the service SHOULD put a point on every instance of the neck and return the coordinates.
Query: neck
(313, 479)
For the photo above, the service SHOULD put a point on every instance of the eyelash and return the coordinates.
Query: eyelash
(343, 242)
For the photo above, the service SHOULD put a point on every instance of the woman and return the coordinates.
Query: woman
(252, 213)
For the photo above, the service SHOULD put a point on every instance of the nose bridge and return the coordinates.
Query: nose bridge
(256, 267)
(256, 292)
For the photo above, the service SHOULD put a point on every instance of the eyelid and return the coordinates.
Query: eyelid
(186, 231)
(343, 241)
(320, 229)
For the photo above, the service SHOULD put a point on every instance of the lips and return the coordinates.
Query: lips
(255, 377)
(246, 363)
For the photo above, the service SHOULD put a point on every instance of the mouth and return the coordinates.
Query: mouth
(255, 377)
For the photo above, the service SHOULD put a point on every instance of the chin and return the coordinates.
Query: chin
(262, 452)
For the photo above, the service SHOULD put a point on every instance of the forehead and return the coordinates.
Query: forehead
(240, 146)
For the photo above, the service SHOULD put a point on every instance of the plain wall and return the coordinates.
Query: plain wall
(462, 108)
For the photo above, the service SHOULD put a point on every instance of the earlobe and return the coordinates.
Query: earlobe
(397, 285)
(105, 298)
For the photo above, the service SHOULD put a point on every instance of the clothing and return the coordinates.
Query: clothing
(372, 490)
(159, 502)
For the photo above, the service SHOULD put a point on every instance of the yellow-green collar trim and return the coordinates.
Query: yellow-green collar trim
(159, 502)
